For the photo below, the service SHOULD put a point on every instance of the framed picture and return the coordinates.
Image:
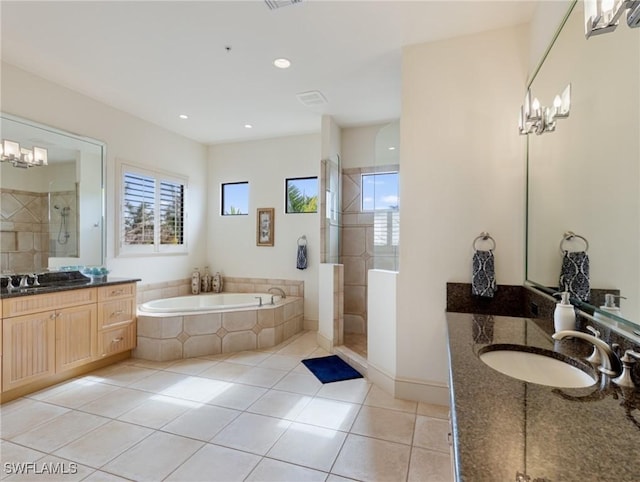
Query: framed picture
(265, 226)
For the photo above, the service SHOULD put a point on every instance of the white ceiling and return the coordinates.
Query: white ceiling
(157, 60)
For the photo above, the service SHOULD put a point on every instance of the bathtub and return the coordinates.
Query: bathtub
(208, 303)
(211, 324)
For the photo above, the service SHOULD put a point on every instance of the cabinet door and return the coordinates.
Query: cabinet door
(28, 352)
(76, 336)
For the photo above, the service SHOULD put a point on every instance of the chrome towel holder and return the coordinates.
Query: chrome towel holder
(571, 236)
(484, 236)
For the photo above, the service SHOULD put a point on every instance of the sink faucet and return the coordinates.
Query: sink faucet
(24, 281)
(280, 290)
(610, 363)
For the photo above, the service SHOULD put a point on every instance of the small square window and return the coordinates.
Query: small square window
(301, 195)
(235, 199)
(380, 192)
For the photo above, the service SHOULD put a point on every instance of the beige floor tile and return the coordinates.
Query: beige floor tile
(121, 375)
(302, 383)
(429, 466)
(191, 366)
(215, 464)
(261, 377)
(28, 416)
(280, 362)
(381, 399)
(431, 433)
(99, 476)
(237, 396)
(201, 423)
(308, 445)
(115, 403)
(225, 371)
(434, 411)
(372, 460)
(13, 454)
(251, 358)
(154, 458)
(353, 391)
(251, 433)
(17, 404)
(280, 404)
(158, 382)
(53, 469)
(60, 431)
(337, 478)
(197, 389)
(385, 424)
(103, 444)
(79, 393)
(329, 414)
(157, 411)
(51, 391)
(269, 470)
(155, 365)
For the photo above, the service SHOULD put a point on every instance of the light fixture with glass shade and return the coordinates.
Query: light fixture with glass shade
(602, 16)
(10, 151)
(539, 119)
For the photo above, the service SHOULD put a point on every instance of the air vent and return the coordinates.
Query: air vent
(311, 98)
(274, 4)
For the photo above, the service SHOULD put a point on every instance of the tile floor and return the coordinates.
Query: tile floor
(249, 416)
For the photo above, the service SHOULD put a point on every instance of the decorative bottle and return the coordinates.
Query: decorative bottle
(206, 280)
(195, 281)
(216, 282)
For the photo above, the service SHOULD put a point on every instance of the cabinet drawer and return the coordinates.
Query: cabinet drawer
(24, 305)
(116, 340)
(114, 312)
(127, 290)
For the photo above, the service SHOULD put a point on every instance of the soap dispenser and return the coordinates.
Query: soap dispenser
(610, 304)
(564, 316)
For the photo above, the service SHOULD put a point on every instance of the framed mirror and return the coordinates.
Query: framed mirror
(585, 176)
(51, 215)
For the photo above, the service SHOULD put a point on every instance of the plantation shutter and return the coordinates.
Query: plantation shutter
(138, 209)
(171, 212)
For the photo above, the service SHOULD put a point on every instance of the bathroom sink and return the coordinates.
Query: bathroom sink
(537, 365)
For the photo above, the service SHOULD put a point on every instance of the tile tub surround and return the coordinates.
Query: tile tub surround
(187, 335)
(562, 434)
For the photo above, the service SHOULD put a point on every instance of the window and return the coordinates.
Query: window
(235, 199)
(380, 195)
(301, 195)
(152, 216)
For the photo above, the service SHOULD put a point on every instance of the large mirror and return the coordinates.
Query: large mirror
(585, 177)
(53, 215)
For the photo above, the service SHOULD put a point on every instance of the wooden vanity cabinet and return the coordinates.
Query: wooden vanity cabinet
(47, 338)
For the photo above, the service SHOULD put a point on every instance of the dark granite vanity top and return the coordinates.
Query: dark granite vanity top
(504, 426)
(58, 281)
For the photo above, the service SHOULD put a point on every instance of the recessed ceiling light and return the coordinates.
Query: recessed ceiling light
(248, 126)
(282, 63)
(183, 116)
(392, 148)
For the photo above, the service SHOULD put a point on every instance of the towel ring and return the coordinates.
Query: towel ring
(484, 237)
(302, 240)
(570, 236)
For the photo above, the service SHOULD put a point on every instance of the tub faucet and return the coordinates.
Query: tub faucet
(280, 290)
(610, 363)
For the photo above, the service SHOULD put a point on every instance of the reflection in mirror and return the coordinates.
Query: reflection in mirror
(52, 215)
(585, 177)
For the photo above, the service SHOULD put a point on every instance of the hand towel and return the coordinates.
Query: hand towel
(483, 279)
(483, 329)
(574, 274)
(301, 258)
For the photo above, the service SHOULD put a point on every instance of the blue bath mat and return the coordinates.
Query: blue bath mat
(331, 368)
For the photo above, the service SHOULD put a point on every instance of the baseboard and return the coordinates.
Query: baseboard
(422, 391)
(324, 342)
(381, 379)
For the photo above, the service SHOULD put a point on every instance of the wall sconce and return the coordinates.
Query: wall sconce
(539, 119)
(602, 16)
(11, 151)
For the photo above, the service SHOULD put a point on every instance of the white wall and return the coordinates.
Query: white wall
(231, 246)
(463, 172)
(543, 27)
(127, 137)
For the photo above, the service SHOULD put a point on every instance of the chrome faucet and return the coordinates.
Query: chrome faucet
(610, 363)
(280, 290)
(24, 281)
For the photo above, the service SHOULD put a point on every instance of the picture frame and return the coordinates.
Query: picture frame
(265, 218)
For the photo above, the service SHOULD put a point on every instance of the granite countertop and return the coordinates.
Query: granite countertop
(503, 426)
(73, 284)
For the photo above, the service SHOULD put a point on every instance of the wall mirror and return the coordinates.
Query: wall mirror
(51, 216)
(585, 176)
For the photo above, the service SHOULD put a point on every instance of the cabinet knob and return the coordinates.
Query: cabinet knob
(116, 313)
(116, 340)
(117, 292)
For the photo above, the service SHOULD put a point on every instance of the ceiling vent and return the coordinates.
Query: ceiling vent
(274, 4)
(312, 98)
